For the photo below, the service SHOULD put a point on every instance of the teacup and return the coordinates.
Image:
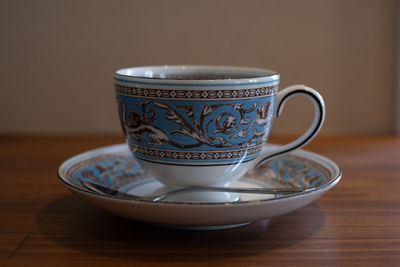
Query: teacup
(204, 125)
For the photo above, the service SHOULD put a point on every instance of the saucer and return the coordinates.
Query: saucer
(115, 167)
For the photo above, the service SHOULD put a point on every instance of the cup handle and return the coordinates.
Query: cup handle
(319, 115)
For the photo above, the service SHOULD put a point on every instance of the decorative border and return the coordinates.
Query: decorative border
(197, 94)
(217, 156)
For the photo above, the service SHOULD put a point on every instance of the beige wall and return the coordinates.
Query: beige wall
(57, 57)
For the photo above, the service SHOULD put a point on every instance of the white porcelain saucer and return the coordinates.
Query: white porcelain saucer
(115, 168)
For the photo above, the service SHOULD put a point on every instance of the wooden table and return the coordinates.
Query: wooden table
(357, 223)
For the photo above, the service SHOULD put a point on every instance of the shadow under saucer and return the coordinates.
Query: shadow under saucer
(74, 224)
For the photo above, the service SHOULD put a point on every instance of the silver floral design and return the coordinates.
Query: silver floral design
(236, 126)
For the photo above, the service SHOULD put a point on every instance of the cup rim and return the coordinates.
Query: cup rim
(158, 74)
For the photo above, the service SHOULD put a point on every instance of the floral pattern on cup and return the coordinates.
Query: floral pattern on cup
(207, 130)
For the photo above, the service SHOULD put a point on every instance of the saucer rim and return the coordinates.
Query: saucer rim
(118, 147)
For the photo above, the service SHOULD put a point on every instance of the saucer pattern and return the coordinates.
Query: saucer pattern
(119, 170)
(111, 170)
(290, 171)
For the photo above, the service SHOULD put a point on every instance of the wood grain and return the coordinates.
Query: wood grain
(357, 223)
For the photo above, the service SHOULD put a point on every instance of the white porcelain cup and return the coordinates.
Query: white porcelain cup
(204, 125)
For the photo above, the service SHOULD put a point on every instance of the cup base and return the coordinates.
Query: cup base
(202, 197)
